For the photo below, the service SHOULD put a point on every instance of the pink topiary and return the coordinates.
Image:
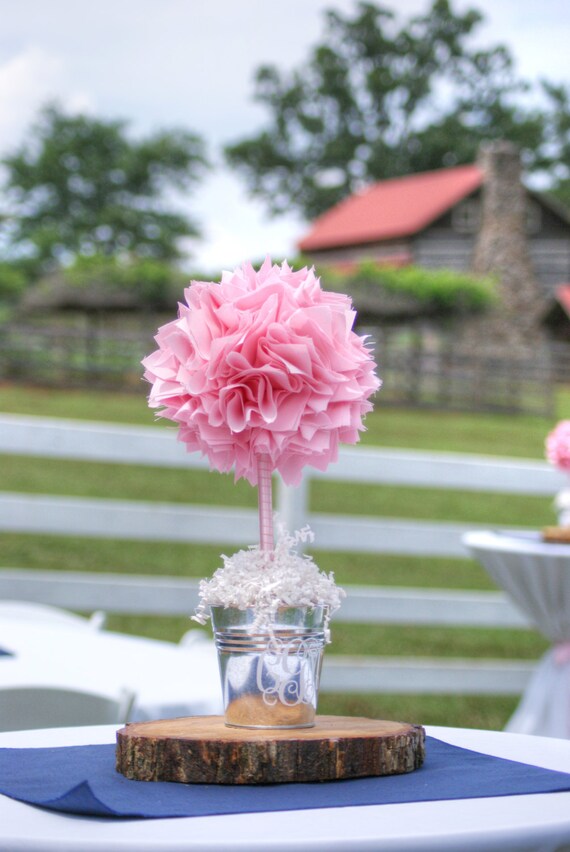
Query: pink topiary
(558, 445)
(263, 364)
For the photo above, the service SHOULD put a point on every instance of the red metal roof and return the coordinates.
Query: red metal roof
(392, 208)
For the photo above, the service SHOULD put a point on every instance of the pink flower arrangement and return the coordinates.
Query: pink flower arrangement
(558, 446)
(263, 363)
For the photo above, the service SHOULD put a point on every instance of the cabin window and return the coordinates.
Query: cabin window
(465, 218)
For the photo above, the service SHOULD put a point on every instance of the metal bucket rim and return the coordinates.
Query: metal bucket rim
(284, 608)
(254, 621)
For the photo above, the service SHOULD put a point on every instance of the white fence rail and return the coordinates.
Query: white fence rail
(159, 447)
(116, 593)
(160, 596)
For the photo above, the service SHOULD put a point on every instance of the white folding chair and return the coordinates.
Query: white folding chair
(194, 637)
(28, 707)
(37, 612)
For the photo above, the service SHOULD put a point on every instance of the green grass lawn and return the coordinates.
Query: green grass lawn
(500, 435)
(494, 434)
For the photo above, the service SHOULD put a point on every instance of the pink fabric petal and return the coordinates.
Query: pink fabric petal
(557, 446)
(263, 362)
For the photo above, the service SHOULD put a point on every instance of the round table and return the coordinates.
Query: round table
(536, 575)
(521, 823)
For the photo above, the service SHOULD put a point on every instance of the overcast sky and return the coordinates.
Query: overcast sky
(190, 63)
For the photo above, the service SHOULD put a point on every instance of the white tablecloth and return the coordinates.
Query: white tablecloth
(536, 575)
(167, 679)
(537, 823)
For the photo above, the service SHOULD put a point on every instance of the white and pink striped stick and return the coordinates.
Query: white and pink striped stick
(265, 502)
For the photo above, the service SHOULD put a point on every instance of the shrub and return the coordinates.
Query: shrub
(444, 291)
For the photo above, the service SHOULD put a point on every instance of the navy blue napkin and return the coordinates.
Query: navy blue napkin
(83, 780)
(5, 653)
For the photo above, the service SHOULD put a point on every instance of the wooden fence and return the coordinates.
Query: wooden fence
(158, 447)
(444, 376)
(108, 355)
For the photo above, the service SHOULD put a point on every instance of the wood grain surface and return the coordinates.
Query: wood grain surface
(204, 750)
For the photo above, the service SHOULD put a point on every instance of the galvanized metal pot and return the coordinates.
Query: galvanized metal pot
(270, 676)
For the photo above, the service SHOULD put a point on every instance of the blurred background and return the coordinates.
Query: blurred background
(192, 65)
(143, 144)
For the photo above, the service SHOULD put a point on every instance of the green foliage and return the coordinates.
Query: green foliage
(80, 186)
(558, 129)
(155, 283)
(13, 281)
(367, 105)
(444, 290)
(561, 193)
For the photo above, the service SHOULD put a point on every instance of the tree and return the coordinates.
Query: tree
(143, 283)
(445, 291)
(100, 285)
(80, 186)
(12, 283)
(375, 100)
(557, 132)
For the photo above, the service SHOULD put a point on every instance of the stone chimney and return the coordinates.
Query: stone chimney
(501, 250)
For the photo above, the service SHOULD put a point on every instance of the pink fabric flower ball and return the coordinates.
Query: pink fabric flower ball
(263, 363)
(558, 445)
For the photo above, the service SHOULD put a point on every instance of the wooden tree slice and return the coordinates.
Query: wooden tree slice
(557, 535)
(203, 750)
